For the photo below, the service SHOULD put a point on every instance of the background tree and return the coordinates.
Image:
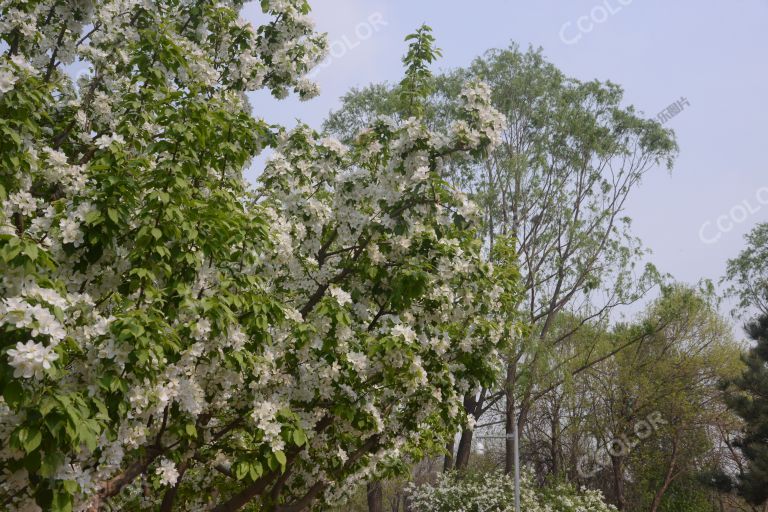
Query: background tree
(747, 398)
(570, 156)
(747, 274)
(669, 379)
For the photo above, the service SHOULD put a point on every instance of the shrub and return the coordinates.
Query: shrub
(496, 492)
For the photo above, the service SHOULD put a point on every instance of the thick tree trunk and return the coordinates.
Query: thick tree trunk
(471, 405)
(407, 502)
(375, 497)
(465, 448)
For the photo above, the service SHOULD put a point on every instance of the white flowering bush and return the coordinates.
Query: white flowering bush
(496, 492)
(173, 339)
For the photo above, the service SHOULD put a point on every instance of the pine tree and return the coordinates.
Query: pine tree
(748, 397)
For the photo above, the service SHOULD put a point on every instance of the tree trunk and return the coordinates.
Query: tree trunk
(471, 406)
(509, 420)
(375, 497)
(448, 460)
(509, 444)
(618, 482)
(465, 448)
(554, 451)
(394, 502)
(668, 477)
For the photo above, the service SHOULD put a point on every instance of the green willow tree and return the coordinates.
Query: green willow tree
(672, 373)
(747, 273)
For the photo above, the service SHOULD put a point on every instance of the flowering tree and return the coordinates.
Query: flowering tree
(173, 339)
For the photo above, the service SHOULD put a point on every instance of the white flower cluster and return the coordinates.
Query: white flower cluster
(496, 491)
(33, 312)
(31, 359)
(11, 72)
(483, 122)
(167, 472)
(264, 416)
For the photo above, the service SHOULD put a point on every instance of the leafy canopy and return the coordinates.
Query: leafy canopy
(173, 338)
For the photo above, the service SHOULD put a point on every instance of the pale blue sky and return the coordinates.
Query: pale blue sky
(714, 53)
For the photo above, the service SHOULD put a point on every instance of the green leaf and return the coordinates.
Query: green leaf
(242, 469)
(51, 463)
(31, 251)
(280, 456)
(136, 329)
(62, 502)
(13, 394)
(32, 462)
(112, 214)
(32, 439)
(256, 470)
(70, 486)
(93, 217)
(47, 405)
(299, 437)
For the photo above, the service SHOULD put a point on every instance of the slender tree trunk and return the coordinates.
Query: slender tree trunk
(554, 451)
(509, 444)
(394, 502)
(375, 497)
(407, 502)
(523, 408)
(509, 420)
(668, 477)
(448, 460)
(618, 482)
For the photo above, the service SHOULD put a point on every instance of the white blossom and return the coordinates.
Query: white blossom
(406, 331)
(71, 232)
(105, 141)
(7, 79)
(31, 359)
(340, 295)
(167, 472)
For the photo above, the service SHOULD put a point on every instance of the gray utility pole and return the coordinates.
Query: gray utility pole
(517, 460)
(516, 444)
